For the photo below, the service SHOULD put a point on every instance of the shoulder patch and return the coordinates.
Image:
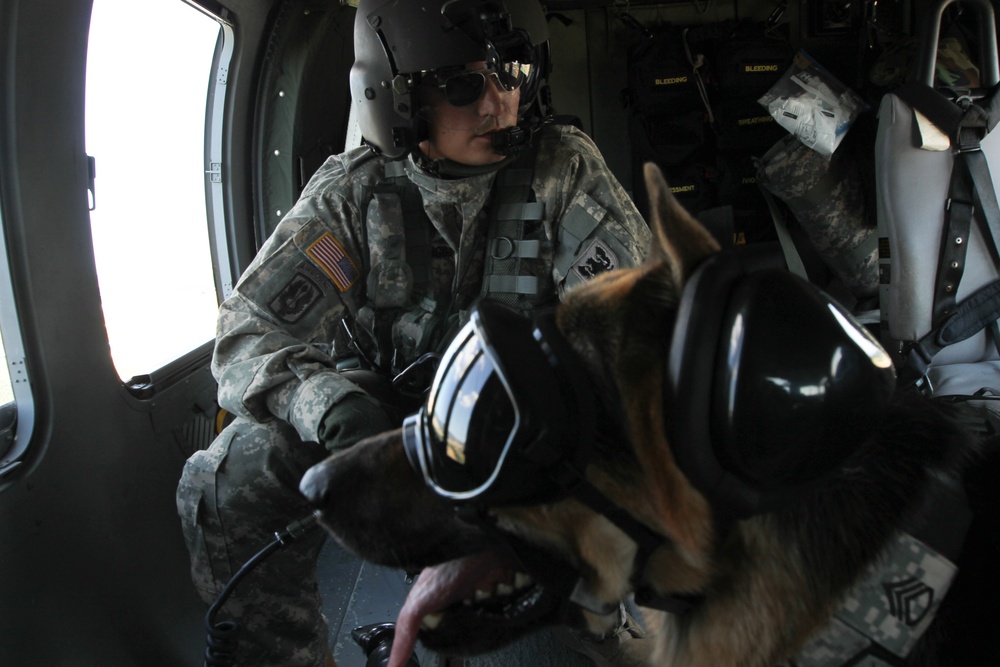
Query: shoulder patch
(295, 298)
(597, 258)
(329, 255)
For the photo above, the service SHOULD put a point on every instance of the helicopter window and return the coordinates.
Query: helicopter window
(146, 131)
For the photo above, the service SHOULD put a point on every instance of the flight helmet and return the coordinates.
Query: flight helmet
(405, 47)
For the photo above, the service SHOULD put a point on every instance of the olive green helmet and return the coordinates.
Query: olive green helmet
(397, 43)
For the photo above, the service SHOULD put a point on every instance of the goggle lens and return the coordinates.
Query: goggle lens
(461, 437)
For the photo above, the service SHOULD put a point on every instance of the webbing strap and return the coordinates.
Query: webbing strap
(986, 198)
(514, 284)
(971, 198)
(980, 310)
(959, 209)
(792, 258)
(503, 247)
(510, 212)
(521, 211)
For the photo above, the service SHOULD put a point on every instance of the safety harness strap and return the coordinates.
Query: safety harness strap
(398, 241)
(514, 220)
(979, 310)
(971, 198)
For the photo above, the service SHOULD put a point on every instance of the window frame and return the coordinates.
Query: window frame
(215, 176)
(15, 436)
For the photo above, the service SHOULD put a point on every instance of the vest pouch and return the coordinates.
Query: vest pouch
(389, 283)
(667, 139)
(660, 78)
(694, 185)
(738, 182)
(744, 125)
(413, 333)
(749, 66)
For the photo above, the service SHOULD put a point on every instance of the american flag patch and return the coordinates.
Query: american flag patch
(330, 257)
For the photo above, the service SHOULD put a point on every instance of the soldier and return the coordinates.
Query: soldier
(461, 192)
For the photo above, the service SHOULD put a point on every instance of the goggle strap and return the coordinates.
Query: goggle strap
(583, 596)
(647, 542)
(644, 537)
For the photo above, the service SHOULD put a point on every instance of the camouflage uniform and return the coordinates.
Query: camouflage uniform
(275, 355)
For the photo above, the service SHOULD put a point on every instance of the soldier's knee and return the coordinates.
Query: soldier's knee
(232, 496)
(250, 464)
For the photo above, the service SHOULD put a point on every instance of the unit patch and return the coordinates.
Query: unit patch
(329, 255)
(295, 299)
(597, 258)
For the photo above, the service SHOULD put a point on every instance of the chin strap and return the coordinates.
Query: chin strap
(647, 542)
(564, 583)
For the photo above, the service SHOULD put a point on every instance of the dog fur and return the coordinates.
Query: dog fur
(768, 583)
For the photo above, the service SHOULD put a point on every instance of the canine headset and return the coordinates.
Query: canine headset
(771, 384)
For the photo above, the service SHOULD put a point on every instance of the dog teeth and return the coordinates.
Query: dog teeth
(431, 621)
(501, 589)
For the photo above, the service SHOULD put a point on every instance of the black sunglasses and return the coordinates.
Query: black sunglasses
(464, 87)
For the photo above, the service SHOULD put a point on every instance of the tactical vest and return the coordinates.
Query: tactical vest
(401, 321)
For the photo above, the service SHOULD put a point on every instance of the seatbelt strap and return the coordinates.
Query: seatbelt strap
(792, 258)
(971, 196)
(397, 239)
(959, 209)
(980, 310)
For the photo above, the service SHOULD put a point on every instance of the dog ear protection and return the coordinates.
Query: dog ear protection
(771, 384)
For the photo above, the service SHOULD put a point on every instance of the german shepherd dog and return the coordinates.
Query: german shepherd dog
(751, 588)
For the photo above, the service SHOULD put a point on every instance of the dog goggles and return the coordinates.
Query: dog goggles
(508, 403)
(464, 87)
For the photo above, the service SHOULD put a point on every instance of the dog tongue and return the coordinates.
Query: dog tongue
(436, 588)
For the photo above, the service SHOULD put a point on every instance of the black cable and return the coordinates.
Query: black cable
(223, 637)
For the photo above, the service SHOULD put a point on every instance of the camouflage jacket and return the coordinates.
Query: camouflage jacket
(274, 353)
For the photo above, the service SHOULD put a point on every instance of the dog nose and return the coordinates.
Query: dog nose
(315, 485)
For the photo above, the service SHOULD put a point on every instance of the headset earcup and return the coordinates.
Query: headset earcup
(770, 383)
(799, 385)
(690, 376)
